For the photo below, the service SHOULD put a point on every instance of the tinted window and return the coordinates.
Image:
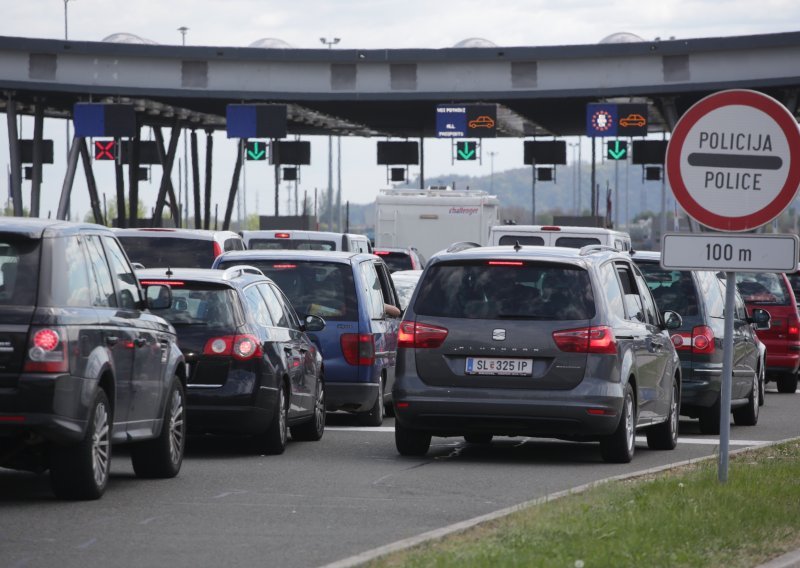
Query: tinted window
(713, 290)
(233, 244)
(19, 264)
(672, 289)
(257, 308)
(613, 293)
(71, 274)
(396, 260)
(201, 305)
(278, 304)
(127, 285)
(321, 288)
(529, 291)
(576, 242)
(169, 252)
(762, 288)
(633, 302)
(100, 275)
(521, 239)
(650, 312)
(372, 290)
(289, 244)
(794, 280)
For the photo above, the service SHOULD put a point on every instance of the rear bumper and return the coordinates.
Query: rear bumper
(509, 412)
(783, 364)
(53, 406)
(225, 411)
(700, 388)
(354, 397)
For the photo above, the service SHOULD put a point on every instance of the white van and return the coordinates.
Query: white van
(558, 236)
(305, 240)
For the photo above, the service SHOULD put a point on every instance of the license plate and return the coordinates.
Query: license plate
(499, 366)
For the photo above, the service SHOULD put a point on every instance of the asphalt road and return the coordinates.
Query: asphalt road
(317, 503)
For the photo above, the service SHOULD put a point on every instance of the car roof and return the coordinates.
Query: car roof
(336, 256)
(220, 276)
(204, 234)
(557, 229)
(407, 250)
(583, 256)
(648, 255)
(298, 233)
(34, 227)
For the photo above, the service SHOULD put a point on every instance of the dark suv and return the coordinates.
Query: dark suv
(83, 364)
(251, 367)
(699, 297)
(536, 341)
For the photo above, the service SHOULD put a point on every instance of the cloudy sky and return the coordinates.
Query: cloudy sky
(372, 24)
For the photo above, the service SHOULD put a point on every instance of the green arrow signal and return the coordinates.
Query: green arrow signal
(617, 153)
(466, 153)
(255, 153)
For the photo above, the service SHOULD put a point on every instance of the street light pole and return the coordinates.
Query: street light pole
(183, 30)
(330, 43)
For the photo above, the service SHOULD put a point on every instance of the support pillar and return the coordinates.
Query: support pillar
(36, 181)
(133, 177)
(237, 170)
(69, 178)
(198, 218)
(14, 157)
(94, 199)
(122, 218)
(209, 158)
(167, 160)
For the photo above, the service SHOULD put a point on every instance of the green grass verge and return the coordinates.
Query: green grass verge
(683, 517)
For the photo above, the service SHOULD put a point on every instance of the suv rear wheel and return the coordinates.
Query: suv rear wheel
(411, 442)
(162, 457)
(273, 441)
(787, 383)
(619, 446)
(80, 471)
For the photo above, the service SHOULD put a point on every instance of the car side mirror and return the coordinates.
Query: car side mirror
(672, 320)
(313, 323)
(158, 297)
(761, 319)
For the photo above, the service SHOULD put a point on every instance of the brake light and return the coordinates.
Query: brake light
(550, 228)
(382, 252)
(170, 283)
(794, 329)
(47, 351)
(504, 263)
(240, 347)
(284, 266)
(702, 339)
(420, 335)
(598, 339)
(217, 249)
(682, 341)
(282, 235)
(358, 348)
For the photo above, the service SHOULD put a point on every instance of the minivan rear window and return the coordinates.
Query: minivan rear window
(576, 242)
(319, 288)
(489, 289)
(169, 252)
(19, 266)
(763, 288)
(397, 260)
(290, 244)
(672, 289)
(521, 239)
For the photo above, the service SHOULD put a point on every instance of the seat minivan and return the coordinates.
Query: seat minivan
(353, 292)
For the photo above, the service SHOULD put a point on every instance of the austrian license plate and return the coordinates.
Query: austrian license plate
(499, 366)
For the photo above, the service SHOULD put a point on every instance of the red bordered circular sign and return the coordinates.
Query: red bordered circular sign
(733, 160)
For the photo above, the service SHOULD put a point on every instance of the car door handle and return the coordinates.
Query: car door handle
(140, 342)
(112, 340)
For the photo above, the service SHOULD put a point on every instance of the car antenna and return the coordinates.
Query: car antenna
(169, 272)
(517, 246)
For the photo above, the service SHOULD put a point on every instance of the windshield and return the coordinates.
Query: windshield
(672, 289)
(290, 244)
(169, 252)
(201, 305)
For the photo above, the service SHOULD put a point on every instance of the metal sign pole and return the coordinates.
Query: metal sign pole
(727, 372)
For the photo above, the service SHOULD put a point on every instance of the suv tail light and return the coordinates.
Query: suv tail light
(358, 348)
(793, 328)
(597, 339)
(240, 347)
(701, 340)
(217, 249)
(47, 351)
(420, 335)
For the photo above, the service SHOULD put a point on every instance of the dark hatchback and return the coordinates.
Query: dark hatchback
(251, 367)
(84, 365)
(536, 341)
(699, 297)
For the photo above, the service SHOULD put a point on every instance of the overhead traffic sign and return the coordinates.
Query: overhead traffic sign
(617, 150)
(256, 150)
(467, 150)
(256, 121)
(459, 121)
(730, 252)
(733, 161)
(608, 119)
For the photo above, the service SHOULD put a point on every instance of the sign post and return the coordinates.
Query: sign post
(733, 165)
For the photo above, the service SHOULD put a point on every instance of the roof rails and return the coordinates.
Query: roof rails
(589, 249)
(240, 270)
(461, 245)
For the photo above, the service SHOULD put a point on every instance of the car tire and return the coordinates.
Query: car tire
(80, 471)
(478, 438)
(619, 447)
(787, 384)
(313, 429)
(762, 385)
(709, 420)
(664, 436)
(747, 415)
(273, 441)
(411, 442)
(374, 416)
(161, 457)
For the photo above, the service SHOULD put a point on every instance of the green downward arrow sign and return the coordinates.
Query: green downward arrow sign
(255, 153)
(617, 153)
(466, 153)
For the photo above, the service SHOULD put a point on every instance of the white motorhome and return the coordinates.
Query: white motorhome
(433, 219)
(558, 236)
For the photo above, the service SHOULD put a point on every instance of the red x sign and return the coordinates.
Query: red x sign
(105, 149)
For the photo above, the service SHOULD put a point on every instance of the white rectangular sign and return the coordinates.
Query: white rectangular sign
(730, 252)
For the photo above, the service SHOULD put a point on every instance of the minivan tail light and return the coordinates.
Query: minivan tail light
(47, 351)
(421, 335)
(793, 329)
(217, 249)
(596, 339)
(702, 339)
(358, 348)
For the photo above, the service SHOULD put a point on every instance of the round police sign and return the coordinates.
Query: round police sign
(733, 161)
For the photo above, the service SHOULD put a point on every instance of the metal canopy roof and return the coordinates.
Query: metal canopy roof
(539, 90)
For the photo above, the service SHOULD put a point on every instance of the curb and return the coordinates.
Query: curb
(787, 561)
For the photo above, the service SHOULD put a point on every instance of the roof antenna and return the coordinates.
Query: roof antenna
(169, 272)
(517, 246)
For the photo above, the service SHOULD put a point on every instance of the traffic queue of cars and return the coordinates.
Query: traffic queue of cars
(585, 344)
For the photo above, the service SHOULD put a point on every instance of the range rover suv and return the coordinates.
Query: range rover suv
(83, 364)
